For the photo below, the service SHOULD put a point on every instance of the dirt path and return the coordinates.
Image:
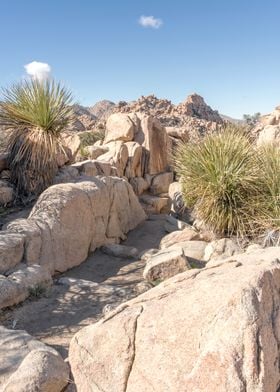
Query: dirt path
(81, 296)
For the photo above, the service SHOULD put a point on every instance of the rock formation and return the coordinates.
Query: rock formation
(214, 329)
(189, 120)
(67, 222)
(28, 365)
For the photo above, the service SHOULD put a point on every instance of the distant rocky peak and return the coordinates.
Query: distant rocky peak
(195, 106)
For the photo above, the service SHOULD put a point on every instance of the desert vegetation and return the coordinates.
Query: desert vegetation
(232, 185)
(37, 112)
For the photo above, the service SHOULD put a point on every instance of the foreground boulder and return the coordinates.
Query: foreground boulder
(215, 329)
(28, 365)
(74, 219)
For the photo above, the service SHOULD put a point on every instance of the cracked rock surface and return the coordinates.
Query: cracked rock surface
(214, 329)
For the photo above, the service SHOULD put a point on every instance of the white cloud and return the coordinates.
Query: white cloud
(37, 70)
(150, 21)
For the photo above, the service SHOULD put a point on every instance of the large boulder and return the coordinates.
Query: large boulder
(214, 329)
(134, 167)
(160, 183)
(269, 134)
(119, 127)
(152, 135)
(74, 219)
(20, 284)
(117, 156)
(28, 365)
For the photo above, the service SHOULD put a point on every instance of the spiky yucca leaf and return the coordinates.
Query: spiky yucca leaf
(268, 202)
(36, 112)
(219, 179)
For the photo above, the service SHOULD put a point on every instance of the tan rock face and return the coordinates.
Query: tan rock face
(16, 287)
(215, 329)
(105, 209)
(119, 127)
(160, 183)
(177, 236)
(221, 249)
(95, 151)
(28, 365)
(152, 135)
(134, 167)
(269, 134)
(165, 264)
(117, 156)
(11, 250)
(68, 221)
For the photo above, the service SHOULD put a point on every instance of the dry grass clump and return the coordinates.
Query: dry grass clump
(36, 112)
(233, 187)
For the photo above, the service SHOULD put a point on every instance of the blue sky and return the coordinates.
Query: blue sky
(226, 50)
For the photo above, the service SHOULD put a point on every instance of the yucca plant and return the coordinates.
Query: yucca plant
(267, 205)
(219, 179)
(36, 112)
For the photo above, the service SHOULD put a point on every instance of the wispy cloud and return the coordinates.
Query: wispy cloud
(37, 70)
(150, 21)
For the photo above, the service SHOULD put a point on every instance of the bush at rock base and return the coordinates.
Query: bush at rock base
(233, 186)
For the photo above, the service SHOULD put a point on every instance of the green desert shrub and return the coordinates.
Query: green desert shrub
(36, 112)
(88, 138)
(219, 178)
(267, 206)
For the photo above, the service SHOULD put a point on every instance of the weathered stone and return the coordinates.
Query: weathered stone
(153, 137)
(214, 329)
(93, 152)
(93, 168)
(105, 208)
(134, 167)
(32, 238)
(174, 237)
(71, 142)
(269, 134)
(6, 193)
(160, 183)
(117, 156)
(221, 249)
(155, 204)
(139, 185)
(192, 249)
(119, 127)
(41, 370)
(122, 251)
(148, 253)
(17, 286)
(165, 264)
(28, 365)
(11, 250)
(253, 248)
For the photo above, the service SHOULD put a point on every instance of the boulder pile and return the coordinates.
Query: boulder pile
(135, 147)
(268, 128)
(189, 120)
(67, 222)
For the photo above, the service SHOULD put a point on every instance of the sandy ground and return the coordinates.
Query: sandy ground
(97, 285)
